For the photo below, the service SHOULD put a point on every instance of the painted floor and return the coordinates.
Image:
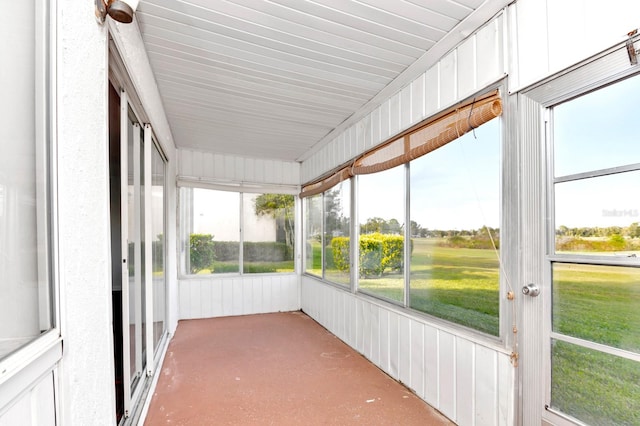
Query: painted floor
(276, 369)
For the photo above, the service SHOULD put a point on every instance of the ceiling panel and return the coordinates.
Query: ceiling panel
(271, 78)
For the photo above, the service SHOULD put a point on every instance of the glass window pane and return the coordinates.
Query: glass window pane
(381, 213)
(158, 246)
(598, 303)
(594, 387)
(455, 219)
(211, 230)
(313, 234)
(268, 224)
(26, 308)
(337, 220)
(598, 215)
(598, 130)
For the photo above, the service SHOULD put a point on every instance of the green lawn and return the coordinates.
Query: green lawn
(600, 304)
(457, 284)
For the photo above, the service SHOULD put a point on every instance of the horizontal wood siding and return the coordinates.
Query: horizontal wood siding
(471, 383)
(240, 295)
(477, 62)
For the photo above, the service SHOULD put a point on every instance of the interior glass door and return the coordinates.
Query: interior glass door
(134, 333)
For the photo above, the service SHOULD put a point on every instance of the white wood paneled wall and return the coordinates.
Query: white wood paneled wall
(238, 295)
(208, 166)
(35, 407)
(470, 383)
(474, 64)
(546, 34)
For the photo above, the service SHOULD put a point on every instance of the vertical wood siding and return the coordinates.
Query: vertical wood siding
(546, 34)
(474, 64)
(240, 295)
(35, 407)
(470, 383)
(209, 166)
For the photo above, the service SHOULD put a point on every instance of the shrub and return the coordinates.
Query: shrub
(340, 251)
(377, 253)
(266, 252)
(201, 252)
(370, 257)
(227, 251)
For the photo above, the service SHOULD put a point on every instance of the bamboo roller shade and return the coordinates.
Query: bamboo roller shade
(416, 142)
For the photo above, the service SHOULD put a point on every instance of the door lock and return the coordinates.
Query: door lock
(530, 290)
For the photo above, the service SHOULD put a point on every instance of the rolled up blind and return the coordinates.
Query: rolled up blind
(417, 141)
(430, 137)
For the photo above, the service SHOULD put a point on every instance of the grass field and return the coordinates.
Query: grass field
(600, 304)
(459, 285)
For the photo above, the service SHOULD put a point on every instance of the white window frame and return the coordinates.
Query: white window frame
(25, 365)
(239, 189)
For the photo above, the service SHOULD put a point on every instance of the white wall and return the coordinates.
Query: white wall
(238, 295)
(550, 36)
(35, 407)
(208, 167)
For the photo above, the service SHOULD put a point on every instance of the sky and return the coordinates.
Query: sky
(454, 187)
(595, 132)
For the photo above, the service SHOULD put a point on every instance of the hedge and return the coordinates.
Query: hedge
(377, 253)
(268, 251)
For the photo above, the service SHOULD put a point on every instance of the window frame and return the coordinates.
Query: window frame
(239, 189)
(34, 358)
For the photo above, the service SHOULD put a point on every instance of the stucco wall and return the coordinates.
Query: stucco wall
(86, 379)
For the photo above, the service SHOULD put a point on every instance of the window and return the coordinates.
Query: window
(313, 234)
(233, 232)
(455, 221)
(268, 233)
(158, 255)
(336, 228)
(595, 275)
(211, 231)
(26, 295)
(448, 173)
(381, 212)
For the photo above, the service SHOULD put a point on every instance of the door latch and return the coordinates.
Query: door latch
(530, 290)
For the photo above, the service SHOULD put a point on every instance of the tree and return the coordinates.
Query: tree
(335, 221)
(281, 208)
(416, 229)
(633, 230)
(392, 227)
(373, 224)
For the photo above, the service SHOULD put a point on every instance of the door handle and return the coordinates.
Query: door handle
(531, 290)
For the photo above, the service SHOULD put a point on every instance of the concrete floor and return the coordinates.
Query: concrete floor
(276, 369)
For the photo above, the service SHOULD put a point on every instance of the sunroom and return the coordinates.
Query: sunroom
(445, 186)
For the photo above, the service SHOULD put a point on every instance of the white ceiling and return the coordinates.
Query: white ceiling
(273, 78)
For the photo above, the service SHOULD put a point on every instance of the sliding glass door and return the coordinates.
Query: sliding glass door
(138, 241)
